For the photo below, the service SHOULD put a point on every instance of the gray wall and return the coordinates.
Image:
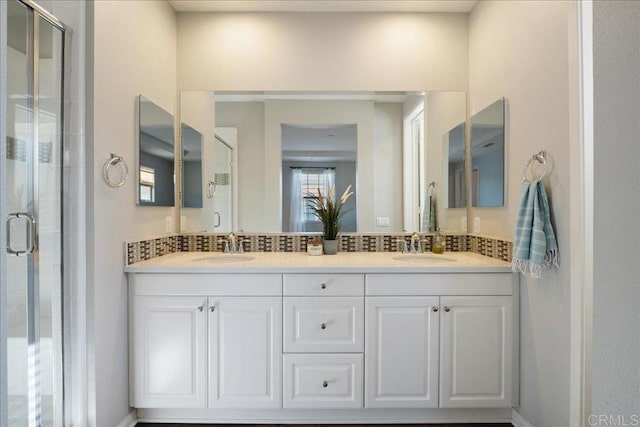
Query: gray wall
(192, 184)
(616, 287)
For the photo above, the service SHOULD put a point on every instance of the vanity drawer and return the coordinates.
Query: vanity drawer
(324, 325)
(323, 381)
(328, 285)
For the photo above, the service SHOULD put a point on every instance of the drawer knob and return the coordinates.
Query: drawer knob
(323, 326)
(323, 286)
(447, 309)
(325, 384)
(434, 309)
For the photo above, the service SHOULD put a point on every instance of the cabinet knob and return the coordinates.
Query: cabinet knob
(434, 309)
(325, 384)
(212, 308)
(323, 326)
(447, 309)
(323, 286)
(201, 308)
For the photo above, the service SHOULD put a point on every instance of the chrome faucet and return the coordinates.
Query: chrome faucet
(416, 244)
(231, 245)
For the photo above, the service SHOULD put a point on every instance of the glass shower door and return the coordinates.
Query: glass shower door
(34, 222)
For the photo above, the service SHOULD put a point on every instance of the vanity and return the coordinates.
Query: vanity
(289, 338)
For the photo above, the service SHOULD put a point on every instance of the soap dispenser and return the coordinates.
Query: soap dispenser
(438, 243)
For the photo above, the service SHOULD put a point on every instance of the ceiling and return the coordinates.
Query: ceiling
(457, 6)
(317, 143)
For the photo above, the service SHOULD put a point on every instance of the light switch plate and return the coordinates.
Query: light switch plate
(168, 224)
(183, 223)
(463, 223)
(382, 221)
(476, 224)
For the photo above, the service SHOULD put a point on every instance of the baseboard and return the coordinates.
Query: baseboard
(130, 420)
(518, 420)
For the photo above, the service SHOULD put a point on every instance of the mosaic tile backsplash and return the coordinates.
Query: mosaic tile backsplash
(282, 242)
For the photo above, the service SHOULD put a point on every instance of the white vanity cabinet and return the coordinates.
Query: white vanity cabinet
(170, 352)
(476, 352)
(323, 341)
(440, 341)
(402, 352)
(319, 346)
(245, 346)
(198, 341)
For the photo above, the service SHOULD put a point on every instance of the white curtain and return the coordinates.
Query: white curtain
(296, 216)
(329, 182)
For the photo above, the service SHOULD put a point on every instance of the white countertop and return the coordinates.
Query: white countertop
(300, 262)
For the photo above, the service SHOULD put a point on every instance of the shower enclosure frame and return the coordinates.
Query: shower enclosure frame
(35, 14)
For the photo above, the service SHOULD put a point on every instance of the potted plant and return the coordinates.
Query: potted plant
(330, 212)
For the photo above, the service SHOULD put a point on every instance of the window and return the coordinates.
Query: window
(147, 184)
(311, 183)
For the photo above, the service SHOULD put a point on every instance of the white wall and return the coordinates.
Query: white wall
(519, 50)
(322, 51)
(387, 167)
(134, 52)
(616, 290)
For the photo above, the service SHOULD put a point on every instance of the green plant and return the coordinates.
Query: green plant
(329, 211)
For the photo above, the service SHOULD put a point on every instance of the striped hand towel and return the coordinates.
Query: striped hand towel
(429, 222)
(535, 247)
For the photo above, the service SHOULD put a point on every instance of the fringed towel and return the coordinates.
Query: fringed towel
(429, 222)
(535, 247)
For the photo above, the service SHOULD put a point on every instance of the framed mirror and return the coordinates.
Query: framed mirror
(156, 155)
(488, 156)
(338, 138)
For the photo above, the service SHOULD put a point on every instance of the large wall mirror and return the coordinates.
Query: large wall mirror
(387, 145)
(156, 155)
(487, 156)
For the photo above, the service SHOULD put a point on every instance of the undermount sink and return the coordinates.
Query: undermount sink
(417, 258)
(225, 258)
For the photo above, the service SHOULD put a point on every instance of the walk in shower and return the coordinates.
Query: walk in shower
(32, 175)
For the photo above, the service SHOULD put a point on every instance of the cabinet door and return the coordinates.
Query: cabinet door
(401, 356)
(170, 353)
(475, 370)
(245, 352)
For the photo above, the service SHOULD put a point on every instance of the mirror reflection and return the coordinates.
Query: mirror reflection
(156, 155)
(387, 145)
(316, 158)
(487, 156)
(456, 177)
(191, 146)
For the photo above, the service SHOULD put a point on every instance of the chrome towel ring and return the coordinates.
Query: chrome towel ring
(122, 166)
(540, 158)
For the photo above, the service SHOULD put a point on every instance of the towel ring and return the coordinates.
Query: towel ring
(540, 158)
(113, 161)
(211, 189)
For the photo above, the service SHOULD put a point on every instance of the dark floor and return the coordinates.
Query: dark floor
(323, 425)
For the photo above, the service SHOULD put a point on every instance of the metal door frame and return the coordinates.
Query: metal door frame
(35, 13)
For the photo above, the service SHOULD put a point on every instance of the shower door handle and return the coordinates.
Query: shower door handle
(31, 233)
